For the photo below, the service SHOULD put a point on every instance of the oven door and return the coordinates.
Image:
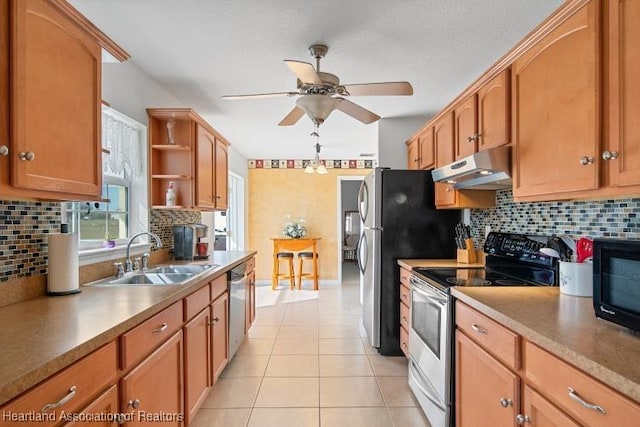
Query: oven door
(429, 337)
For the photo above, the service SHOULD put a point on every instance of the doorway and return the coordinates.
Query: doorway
(349, 229)
(229, 224)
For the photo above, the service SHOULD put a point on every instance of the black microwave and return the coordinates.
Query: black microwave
(616, 281)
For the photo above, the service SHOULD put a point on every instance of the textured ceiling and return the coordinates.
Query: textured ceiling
(199, 50)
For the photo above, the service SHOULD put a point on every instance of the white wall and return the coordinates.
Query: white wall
(392, 135)
(131, 91)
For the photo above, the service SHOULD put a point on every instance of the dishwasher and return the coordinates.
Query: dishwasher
(237, 282)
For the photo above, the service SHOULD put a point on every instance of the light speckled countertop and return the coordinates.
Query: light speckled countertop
(43, 335)
(565, 326)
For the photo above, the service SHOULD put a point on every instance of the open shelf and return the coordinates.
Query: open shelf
(171, 177)
(169, 147)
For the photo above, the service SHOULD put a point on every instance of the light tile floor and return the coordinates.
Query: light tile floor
(305, 363)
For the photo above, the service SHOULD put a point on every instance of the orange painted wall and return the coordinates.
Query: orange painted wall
(274, 193)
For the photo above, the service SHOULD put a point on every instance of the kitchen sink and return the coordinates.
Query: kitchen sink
(181, 269)
(160, 275)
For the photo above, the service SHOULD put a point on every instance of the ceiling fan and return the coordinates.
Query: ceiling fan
(321, 93)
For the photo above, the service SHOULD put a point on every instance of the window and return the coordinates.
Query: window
(123, 209)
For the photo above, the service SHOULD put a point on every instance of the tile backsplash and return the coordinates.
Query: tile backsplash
(616, 218)
(24, 227)
(162, 221)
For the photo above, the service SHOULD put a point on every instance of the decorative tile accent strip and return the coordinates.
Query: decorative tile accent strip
(23, 237)
(301, 164)
(163, 220)
(617, 218)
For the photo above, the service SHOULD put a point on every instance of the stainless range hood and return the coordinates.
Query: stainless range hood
(486, 170)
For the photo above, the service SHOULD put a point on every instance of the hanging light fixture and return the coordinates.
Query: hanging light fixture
(317, 107)
(315, 165)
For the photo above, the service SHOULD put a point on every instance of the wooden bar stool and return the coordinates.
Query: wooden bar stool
(288, 257)
(314, 269)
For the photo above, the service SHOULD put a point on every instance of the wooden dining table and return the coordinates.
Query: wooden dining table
(305, 244)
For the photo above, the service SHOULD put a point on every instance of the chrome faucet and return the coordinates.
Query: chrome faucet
(128, 262)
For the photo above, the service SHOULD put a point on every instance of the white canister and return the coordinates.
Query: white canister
(576, 278)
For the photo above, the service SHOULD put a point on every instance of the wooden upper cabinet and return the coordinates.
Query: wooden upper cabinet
(205, 161)
(427, 152)
(622, 153)
(466, 127)
(494, 112)
(445, 195)
(186, 150)
(556, 98)
(221, 174)
(54, 140)
(413, 153)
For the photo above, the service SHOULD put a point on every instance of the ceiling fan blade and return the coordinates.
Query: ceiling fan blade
(356, 111)
(380, 89)
(292, 118)
(261, 95)
(305, 71)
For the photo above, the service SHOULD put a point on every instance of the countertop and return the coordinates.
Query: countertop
(565, 326)
(41, 336)
(436, 263)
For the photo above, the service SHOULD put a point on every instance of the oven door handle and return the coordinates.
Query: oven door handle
(418, 382)
(426, 291)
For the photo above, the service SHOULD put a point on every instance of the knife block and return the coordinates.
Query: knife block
(467, 256)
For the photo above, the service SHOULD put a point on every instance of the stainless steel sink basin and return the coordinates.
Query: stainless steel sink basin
(181, 269)
(160, 275)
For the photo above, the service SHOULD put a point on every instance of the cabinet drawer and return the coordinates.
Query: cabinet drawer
(196, 302)
(491, 335)
(405, 277)
(218, 286)
(404, 341)
(554, 377)
(405, 316)
(405, 295)
(148, 335)
(87, 377)
(107, 403)
(251, 264)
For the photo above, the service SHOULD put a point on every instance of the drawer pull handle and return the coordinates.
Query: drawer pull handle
(404, 319)
(135, 404)
(404, 345)
(404, 296)
(214, 321)
(59, 403)
(577, 398)
(478, 329)
(523, 419)
(162, 328)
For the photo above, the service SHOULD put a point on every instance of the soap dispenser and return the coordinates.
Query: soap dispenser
(171, 194)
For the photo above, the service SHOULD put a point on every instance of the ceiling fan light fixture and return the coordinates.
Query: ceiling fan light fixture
(317, 107)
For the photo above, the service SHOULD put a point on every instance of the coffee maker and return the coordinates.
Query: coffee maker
(187, 244)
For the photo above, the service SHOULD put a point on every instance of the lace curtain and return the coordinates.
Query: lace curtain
(123, 140)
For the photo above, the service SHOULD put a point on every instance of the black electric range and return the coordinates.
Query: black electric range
(512, 260)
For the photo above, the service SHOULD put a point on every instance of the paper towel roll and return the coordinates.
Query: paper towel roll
(63, 264)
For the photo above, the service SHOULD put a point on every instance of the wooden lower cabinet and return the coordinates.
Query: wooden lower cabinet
(102, 412)
(197, 362)
(154, 388)
(250, 307)
(539, 412)
(487, 393)
(219, 335)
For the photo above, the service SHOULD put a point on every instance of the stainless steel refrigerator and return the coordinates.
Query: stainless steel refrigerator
(399, 218)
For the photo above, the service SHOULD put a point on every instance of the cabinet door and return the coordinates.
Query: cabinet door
(205, 184)
(107, 403)
(221, 175)
(197, 362)
(494, 115)
(413, 155)
(426, 150)
(250, 301)
(542, 413)
(486, 391)
(155, 385)
(443, 142)
(55, 102)
(466, 128)
(556, 92)
(219, 335)
(624, 92)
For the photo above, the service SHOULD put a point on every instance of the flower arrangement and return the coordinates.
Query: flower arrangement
(294, 228)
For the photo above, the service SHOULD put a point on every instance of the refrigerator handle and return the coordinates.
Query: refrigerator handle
(361, 263)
